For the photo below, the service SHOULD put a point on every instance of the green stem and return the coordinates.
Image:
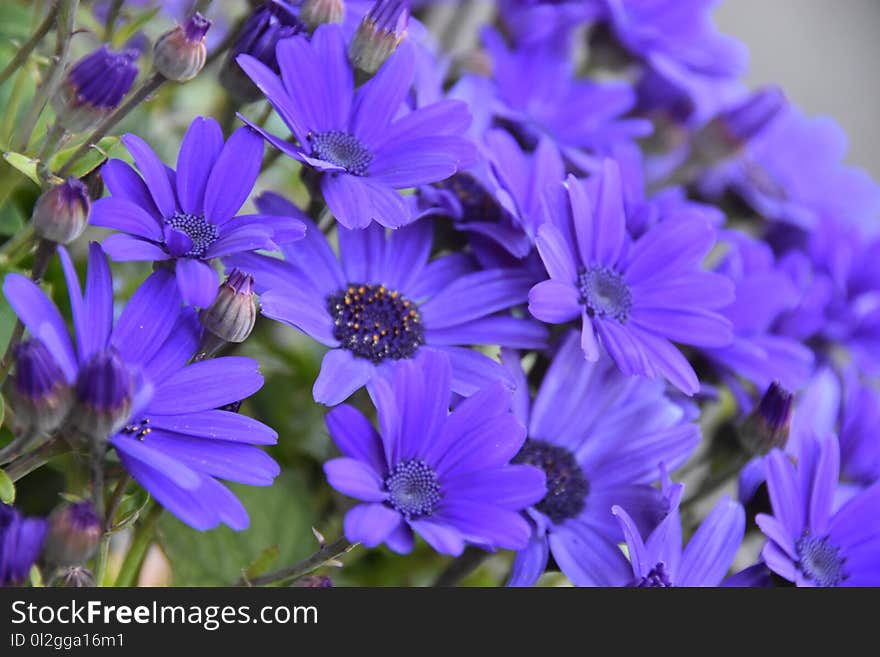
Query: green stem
(25, 51)
(716, 480)
(102, 559)
(327, 553)
(66, 25)
(143, 536)
(110, 23)
(149, 86)
(33, 460)
(463, 566)
(24, 237)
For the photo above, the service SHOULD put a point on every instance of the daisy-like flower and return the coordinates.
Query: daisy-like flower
(808, 543)
(188, 215)
(364, 150)
(633, 297)
(383, 302)
(660, 561)
(21, 540)
(445, 476)
(600, 437)
(132, 382)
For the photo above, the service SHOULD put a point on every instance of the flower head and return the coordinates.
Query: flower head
(358, 142)
(74, 532)
(383, 302)
(379, 34)
(808, 543)
(21, 540)
(633, 297)
(600, 437)
(445, 476)
(171, 438)
(61, 213)
(188, 216)
(180, 53)
(38, 391)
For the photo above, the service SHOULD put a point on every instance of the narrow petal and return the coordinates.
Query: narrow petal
(555, 254)
(355, 202)
(125, 184)
(217, 425)
(197, 280)
(125, 216)
(121, 247)
(233, 175)
(356, 437)
(588, 559)
(634, 543)
(341, 374)
(476, 295)
(207, 385)
(148, 318)
(378, 101)
(530, 562)
(154, 173)
(370, 524)
(355, 479)
(98, 303)
(513, 487)
(612, 218)
(711, 550)
(444, 539)
(555, 302)
(784, 496)
(242, 238)
(273, 88)
(199, 150)
(297, 308)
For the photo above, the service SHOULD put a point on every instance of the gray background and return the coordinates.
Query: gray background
(824, 53)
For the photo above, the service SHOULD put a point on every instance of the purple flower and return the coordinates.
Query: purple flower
(660, 561)
(600, 437)
(445, 476)
(809, 543)
(383, 302)
(633, 297)
(21, 540)
(172, 439)
(364, 150)
(188, 215)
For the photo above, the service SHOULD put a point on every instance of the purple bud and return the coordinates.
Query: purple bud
(313, 582)
(21, 540)
(317, 12)
(769, 424)
(62, 212)
(379, 34)
(74, 533)
(180, 54)
(102, 399)
(232, 315)
(76, 577)
(94, 87)
(38, 392)
(266, 26)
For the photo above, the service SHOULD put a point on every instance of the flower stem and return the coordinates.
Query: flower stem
(112, 15)
(327, 553)
(35, 459)
(467, 563)
(25, 51)
(716, 480)
(149, 86)
(143, 536)
(66, 24)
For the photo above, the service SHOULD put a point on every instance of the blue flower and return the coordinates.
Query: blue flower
(21, 540)
(382, 302)
(600, 437)
(188, 215)
(660, 561)
(809, 543)
(633, 297)
(357, 139)
(131, 378)
(445, 476)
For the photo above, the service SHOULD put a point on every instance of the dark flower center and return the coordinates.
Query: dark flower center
(477, 204)
(412, 489)
(819, 560)
(200, 231)
(604, 293)
(139, 430)
(342, 149)
(657, 578)
(567, 487)
(376, 323)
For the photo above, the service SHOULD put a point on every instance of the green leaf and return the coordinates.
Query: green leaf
(2, 409)
(97, 154)
(131, 27)
(11, 220)
(281, 514)
(24, 164)
(7, 488)
(264, 561)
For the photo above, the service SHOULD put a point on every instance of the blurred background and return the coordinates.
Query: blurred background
(822, 53)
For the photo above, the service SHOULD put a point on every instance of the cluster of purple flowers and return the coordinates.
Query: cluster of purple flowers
(539, 306)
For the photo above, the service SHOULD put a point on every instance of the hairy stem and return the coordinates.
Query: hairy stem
(327, 553)
(143, 536)
(29, 462)
(25, 51)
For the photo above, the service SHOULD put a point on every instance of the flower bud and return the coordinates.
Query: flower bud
(180, 54)
(769, 424)
(317, 12)
(21, 540)
(379, 34)
(38, 393)
(267, 25)
(232, 315)
(103, 394)
(62, 212)
(76, 577)
(73, 536)
(313, 582)
(94, 87)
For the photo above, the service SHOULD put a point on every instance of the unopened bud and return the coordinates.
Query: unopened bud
(232, 315)
(94, 87)
(62, 212)
(768, 426)
(379, 34)
(103, 394)
(38, 393)
(180, 54)
(76, 577)
(317, 12)
(73, 536)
